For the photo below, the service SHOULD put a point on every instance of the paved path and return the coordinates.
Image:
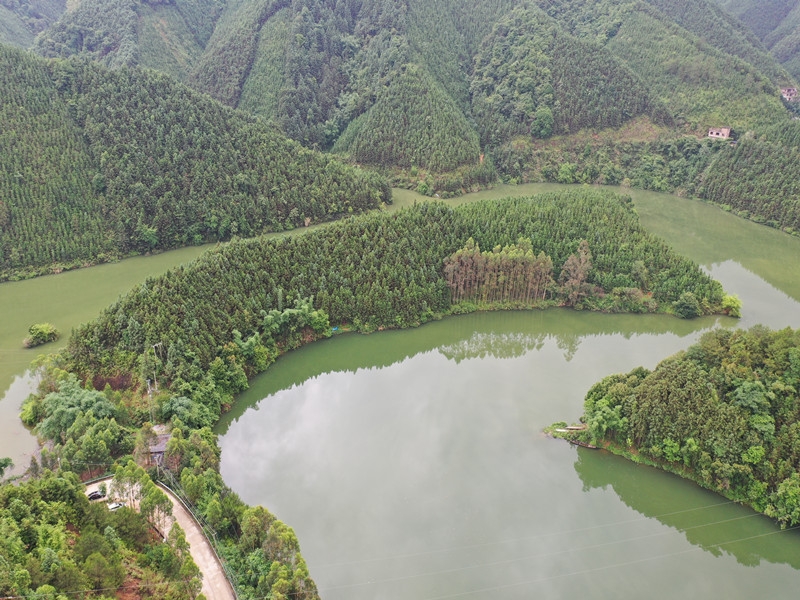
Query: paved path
(215, 584)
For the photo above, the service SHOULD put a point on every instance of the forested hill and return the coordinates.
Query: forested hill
(328, 71)
(776, 23)
(21, 20)
(724, 413)
(97, 164)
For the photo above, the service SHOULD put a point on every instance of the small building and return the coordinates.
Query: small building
(789, 94)
(158, 448)
(719, 133)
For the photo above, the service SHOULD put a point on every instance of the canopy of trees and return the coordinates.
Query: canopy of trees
(96, 164)
(776, 23)
(446, 90)
(57, 544)
(506, 68)
(202, 330)
(724, 413)
(759, 178)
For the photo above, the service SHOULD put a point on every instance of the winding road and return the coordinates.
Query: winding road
(215, 584)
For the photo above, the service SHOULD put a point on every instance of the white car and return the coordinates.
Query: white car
(115, 505)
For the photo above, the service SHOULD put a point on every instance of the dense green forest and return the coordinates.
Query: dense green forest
(413, 123)
(758, 178)
(530, 79)
(314, 67)
(776, 23)
(97, 164)
(56, 543)
(203, 341)
(441, 96)
(724, 413)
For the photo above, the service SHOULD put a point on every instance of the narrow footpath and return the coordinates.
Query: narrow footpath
(215, 584)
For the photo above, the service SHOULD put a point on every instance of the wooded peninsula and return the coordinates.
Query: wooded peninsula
(724, 413)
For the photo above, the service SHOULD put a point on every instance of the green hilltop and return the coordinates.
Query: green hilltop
(776, 23)
(98, 164)
(315, 66)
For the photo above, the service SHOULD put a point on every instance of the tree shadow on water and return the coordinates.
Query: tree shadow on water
(706, 519)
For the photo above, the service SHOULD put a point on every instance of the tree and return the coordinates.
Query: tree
(187, 571)
(785, 504)
(156, 506)
(575, 273)
(63, 407)
(102, 573)
(5, 463)
(543, 122)
(687, 306)
(732, 305)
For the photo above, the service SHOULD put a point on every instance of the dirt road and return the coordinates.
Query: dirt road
(215, 584)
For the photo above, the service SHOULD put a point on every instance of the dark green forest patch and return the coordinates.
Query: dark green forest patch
(98, 164)
(724, 413)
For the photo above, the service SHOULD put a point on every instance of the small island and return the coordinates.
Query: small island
(41, 333)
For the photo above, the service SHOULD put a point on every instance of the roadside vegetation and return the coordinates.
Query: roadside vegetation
(57, 544)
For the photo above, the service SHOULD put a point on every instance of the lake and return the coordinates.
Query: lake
(411, 463)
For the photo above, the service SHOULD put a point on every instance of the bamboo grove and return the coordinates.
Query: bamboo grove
(724, 413)
(99, 164)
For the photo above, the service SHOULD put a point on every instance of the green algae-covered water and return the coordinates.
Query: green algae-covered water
(411, 464)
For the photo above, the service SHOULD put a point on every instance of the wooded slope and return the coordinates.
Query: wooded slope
(759, 178)
(96, 164)
(21, 20)
(315, 67)
(776, 23)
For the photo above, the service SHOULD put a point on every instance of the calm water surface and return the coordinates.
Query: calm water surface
(411, 464)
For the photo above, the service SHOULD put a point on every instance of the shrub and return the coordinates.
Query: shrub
(40, 333)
